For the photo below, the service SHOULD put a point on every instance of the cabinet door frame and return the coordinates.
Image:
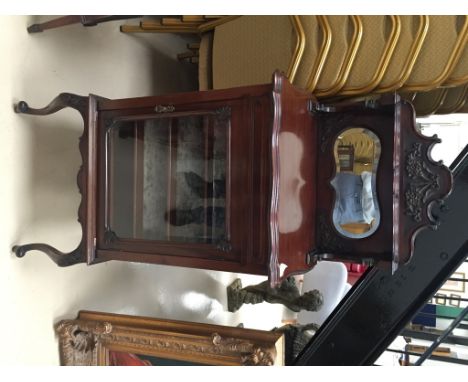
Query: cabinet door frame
(206, 255)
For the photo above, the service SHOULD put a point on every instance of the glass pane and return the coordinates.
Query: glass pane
(167, 178)
(356, 213)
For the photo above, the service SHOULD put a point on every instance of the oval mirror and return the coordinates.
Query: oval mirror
(356, 211)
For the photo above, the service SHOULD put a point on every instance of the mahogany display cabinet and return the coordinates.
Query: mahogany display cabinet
(260, 180)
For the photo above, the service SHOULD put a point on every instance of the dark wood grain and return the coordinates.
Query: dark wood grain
(422, 183)
(294, 167)
(85, 180)
(393, 121)
(85, 20)
(279, 164)
(378, 118)
(241, 233)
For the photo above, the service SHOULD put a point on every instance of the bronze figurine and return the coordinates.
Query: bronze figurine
(286, 293)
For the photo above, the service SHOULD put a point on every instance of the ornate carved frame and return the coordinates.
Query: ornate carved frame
(87, 340)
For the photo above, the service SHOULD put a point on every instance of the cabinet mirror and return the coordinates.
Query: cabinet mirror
(356, 212)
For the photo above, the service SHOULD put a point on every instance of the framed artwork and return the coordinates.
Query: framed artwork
(455, 285)
(440, 299)
(454, 300)
(105, 339)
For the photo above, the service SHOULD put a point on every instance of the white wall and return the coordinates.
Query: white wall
(39, 160)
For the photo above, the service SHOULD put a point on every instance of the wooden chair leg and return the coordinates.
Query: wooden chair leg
(55, 23)
(87, 21)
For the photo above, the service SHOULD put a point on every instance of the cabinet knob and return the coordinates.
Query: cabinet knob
(164, 108)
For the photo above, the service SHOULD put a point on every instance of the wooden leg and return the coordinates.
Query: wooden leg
(59, 258)
(87, 21)
(55, 23)
(80, 104)
(60, 102)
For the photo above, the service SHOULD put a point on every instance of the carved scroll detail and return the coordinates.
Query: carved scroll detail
(88, 340)
(109, 236)
(78, 341)
(108, 122)
(251, 354)
(422, 182)
(164, 108)
(224, 245)
(328, 239)
(325, 137)
(223, 114)
(330, 126)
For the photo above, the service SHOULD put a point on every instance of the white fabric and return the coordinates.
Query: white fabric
(367, 200)
(330, 278)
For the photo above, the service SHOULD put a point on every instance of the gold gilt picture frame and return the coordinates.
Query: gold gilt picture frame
(454, 300)
(455, 285)
(105, 339)
(440, 299)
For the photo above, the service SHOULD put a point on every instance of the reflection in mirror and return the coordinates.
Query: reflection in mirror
(356, 212)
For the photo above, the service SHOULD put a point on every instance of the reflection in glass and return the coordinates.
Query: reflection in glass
(356, 212)
(167, 178)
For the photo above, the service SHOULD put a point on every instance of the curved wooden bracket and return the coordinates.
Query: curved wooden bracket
(60, 102)
(59, 258)
(80, 104)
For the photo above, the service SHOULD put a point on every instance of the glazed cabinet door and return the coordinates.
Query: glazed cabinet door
(167, 185)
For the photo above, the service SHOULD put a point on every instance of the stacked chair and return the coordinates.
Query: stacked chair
(423, 58)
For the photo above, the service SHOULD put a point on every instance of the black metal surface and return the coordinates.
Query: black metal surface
(378, 307)
(431, 337)
(444, 337)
